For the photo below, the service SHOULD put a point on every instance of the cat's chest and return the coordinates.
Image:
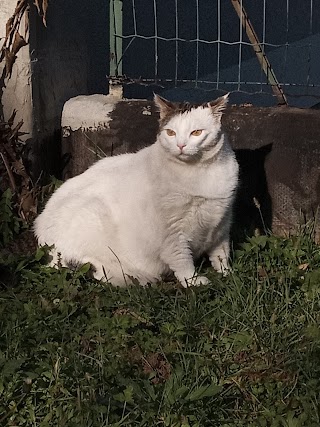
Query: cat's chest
(199, 189)
(186, 212)
(207, 183)
(194, 200)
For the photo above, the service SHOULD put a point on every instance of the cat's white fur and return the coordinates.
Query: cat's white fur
(144, 214)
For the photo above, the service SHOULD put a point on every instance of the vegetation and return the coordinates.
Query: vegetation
(243, 351)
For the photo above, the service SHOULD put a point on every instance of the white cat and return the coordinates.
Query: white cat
(145, 214)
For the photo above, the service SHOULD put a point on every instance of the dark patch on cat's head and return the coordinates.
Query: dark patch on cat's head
(170, 109)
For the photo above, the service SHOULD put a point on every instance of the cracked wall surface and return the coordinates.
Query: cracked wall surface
(16, 91)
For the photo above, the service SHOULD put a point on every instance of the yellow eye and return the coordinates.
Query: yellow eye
(196, 132)
(170, 132)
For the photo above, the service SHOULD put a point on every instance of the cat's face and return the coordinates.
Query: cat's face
(190, 132)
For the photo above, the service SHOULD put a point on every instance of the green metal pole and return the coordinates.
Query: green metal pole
(115, 38)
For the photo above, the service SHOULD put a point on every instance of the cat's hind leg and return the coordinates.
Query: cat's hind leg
(108, 271)
(118, 271)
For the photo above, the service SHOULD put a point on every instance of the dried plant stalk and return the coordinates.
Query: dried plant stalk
(13, 40)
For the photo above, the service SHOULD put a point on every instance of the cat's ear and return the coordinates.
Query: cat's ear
(218, 105)
(165, 106)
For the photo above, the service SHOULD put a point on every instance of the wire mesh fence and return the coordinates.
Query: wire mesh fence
(267, 49)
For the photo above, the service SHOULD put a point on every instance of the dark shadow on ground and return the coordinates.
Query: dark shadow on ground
(253, 205)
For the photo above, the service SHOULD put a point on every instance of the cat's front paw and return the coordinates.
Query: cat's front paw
(197, 281)
(221, 265)
(224, 270)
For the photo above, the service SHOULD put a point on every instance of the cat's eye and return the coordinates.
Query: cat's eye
(196, 132)
(170, 132)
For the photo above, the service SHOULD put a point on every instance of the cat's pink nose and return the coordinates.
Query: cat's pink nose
(181, 146)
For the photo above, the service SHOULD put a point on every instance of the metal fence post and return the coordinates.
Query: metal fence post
(115, 73)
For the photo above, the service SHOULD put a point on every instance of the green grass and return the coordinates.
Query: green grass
(243, 351)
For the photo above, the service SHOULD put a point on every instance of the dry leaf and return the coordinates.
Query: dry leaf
(9, 172)
(21, 7)
(15, 131)
(12, 117)
(37, 4)
(18, 43)
(26, 23)
(156, 363)
(19, 169)
(28, 205)
(10, 59)
(304, 266)
(262, 272)
(42, 7)
(9, 26)
(45, 5)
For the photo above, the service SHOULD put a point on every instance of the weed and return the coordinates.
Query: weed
(10, 225)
